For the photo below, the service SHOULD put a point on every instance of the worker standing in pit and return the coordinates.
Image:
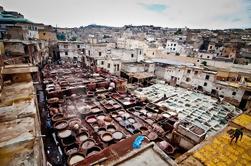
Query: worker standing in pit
(111, 87)
(237, 133)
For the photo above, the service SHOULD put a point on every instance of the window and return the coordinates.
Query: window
(108, 65)
(234, 93)
(118, 67)
(140, 52)
(207, 77)
(174, 45)
(66, 53)
(173, 49)
(205, 84)
(211, 47)
(132, 55)
(201, 56)
(188, 71)
(196, 72)
(44, 34)
(78, 46)
(171, 44)
(99, 53)
(102, 62)
(188, 79)
(65, 46)
(153, 53)
(198, 60)
(89, 52)
(207, 57)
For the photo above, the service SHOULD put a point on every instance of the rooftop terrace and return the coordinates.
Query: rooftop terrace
(19, 125)
(217, 150)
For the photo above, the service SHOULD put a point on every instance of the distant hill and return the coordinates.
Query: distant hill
(95, 26)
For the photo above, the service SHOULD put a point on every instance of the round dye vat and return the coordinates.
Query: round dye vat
(71, 149)
(90, 94)
(75, 158)
(95, 126)
(137, 125)
(152, 136)
(108, 119)
(117, 135)
(60, 125)
(126, 115)
(136, 113)
(150, 121)
(127, 98)
(119, 118)
(137, 108)
(83, 136)
(121, 112)
(111, 128)
(101, 117)
(64, 133)
(116, 105)
(101, 131)
(130, 128)
(91, 119)
(53, 100)
(89, 143)
(131, 120)
(95, 110)
(73, 122)
(107, 137)
(61, 101)
(143, 129)
(143, 111)
(58, 116)
(149, 114)
(99, 98)
(131, 109)
(108, 106)
(93, 150)
(114, 114)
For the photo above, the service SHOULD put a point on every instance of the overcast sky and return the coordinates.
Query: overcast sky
(210, 14)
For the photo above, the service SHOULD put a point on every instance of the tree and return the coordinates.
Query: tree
(178, 32)
(74, 38)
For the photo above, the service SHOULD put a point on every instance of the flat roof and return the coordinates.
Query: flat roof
(15, 69)
(217, 150)
(141, 75)
(19, 125)
(171, 62)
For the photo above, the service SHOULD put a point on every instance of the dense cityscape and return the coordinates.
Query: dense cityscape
(131, 95)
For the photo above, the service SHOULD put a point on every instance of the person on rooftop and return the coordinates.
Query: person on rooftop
(237, 133)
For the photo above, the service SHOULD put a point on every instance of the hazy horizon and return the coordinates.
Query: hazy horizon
(195, 14)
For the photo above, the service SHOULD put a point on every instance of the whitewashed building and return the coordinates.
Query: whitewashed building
(71, 49)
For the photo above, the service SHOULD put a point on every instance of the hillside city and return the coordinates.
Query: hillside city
(130, 95)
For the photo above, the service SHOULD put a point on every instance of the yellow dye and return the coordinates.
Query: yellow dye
(243, 120)
(221, 153)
